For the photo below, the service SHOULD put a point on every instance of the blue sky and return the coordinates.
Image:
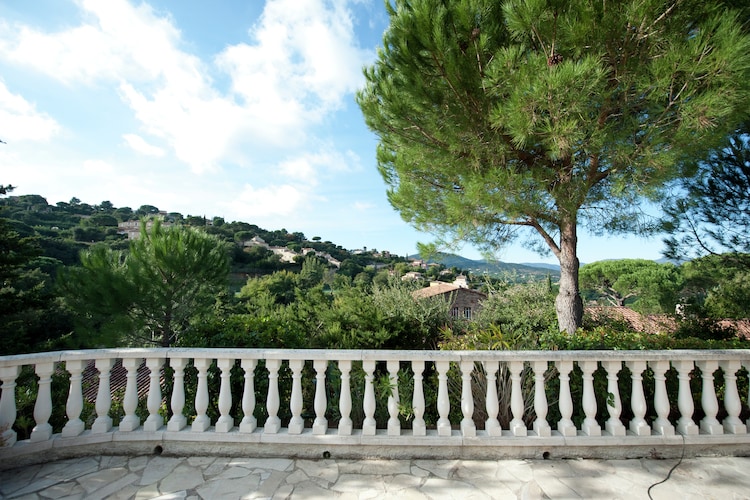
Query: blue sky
(239, 109)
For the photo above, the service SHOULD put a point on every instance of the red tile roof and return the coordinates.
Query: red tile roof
(652, 323)
(439, 288)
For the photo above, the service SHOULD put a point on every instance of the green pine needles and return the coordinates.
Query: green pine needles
(504, 119)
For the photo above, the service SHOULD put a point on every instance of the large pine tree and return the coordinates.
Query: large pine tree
(545, 115)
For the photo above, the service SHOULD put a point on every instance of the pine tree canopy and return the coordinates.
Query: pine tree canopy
(548, 114)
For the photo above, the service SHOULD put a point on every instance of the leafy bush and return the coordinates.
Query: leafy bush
(525, 309)
(607, 338)
(705, 329)
(490, 338)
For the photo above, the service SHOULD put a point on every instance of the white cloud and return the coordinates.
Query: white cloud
(21, 121)
(303, 58)
(300, 62)
(116, 41)
(307, 168)
(139, 144)
(299, 169)
(363, 206)
(284, 200)
(97, 167)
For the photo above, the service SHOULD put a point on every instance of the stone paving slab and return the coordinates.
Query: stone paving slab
(197, 478)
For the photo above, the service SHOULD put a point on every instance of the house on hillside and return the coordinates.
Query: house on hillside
(412, 276)
(287, 254)
(132, 228)
(255, 241)
(323, 255)
(465, 302)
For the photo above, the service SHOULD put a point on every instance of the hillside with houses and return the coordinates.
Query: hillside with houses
(307, 284)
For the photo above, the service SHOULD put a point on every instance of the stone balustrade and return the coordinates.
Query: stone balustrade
(267, 402)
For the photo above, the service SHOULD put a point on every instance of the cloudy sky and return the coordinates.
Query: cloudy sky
(238, 109)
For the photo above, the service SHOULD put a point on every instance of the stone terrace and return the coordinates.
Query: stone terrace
(160, 477)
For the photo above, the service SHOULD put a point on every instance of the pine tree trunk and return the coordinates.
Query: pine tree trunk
(568, 303)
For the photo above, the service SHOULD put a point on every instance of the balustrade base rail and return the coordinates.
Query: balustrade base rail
(356, 446)
(400, 404)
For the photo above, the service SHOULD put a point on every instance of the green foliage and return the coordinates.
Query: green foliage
(278, 288)
(730, 298)
(244, 331)
(608, 338)
(150, 295)
(525, 309)
(353, 315)
(710, 215)
(30, 317)
(491, 338)
(704, 329)
(716, 286)
(495, 117)
(643, 285)
(26, 395)
(312, 273)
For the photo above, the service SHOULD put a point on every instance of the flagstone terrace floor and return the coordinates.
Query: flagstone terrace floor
(161, 477)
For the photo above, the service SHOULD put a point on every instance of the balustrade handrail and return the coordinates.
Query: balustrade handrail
(524, 385)
(377, 354)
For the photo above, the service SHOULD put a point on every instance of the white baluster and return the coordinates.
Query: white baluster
(613, 425)
(130, 421)
(443, 401)
(468, 428)
(225, 423)
(565, 426)
(638, 424)
(661, 400)
(710, 404)
(103, 422)
(8, 375)
(394, 424)
(418, 425)
(345, 399)
(154, 421)
(74, 406)
(178, 421)
(541, 426)
(43, 406)
(320, 424)
(492, 404)
(732, 423)
(273, 422)
(369, 426)
(249, 423)
(202, 420)
(296, 424)
(517, 426)
(685, 425)
(590, 426)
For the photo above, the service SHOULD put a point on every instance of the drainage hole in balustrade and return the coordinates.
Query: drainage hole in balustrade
(158, 450)
(326, 454)
(546, 455)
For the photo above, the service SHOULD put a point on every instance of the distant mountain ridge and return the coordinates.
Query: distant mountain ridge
(529, 270)
(542, 265)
